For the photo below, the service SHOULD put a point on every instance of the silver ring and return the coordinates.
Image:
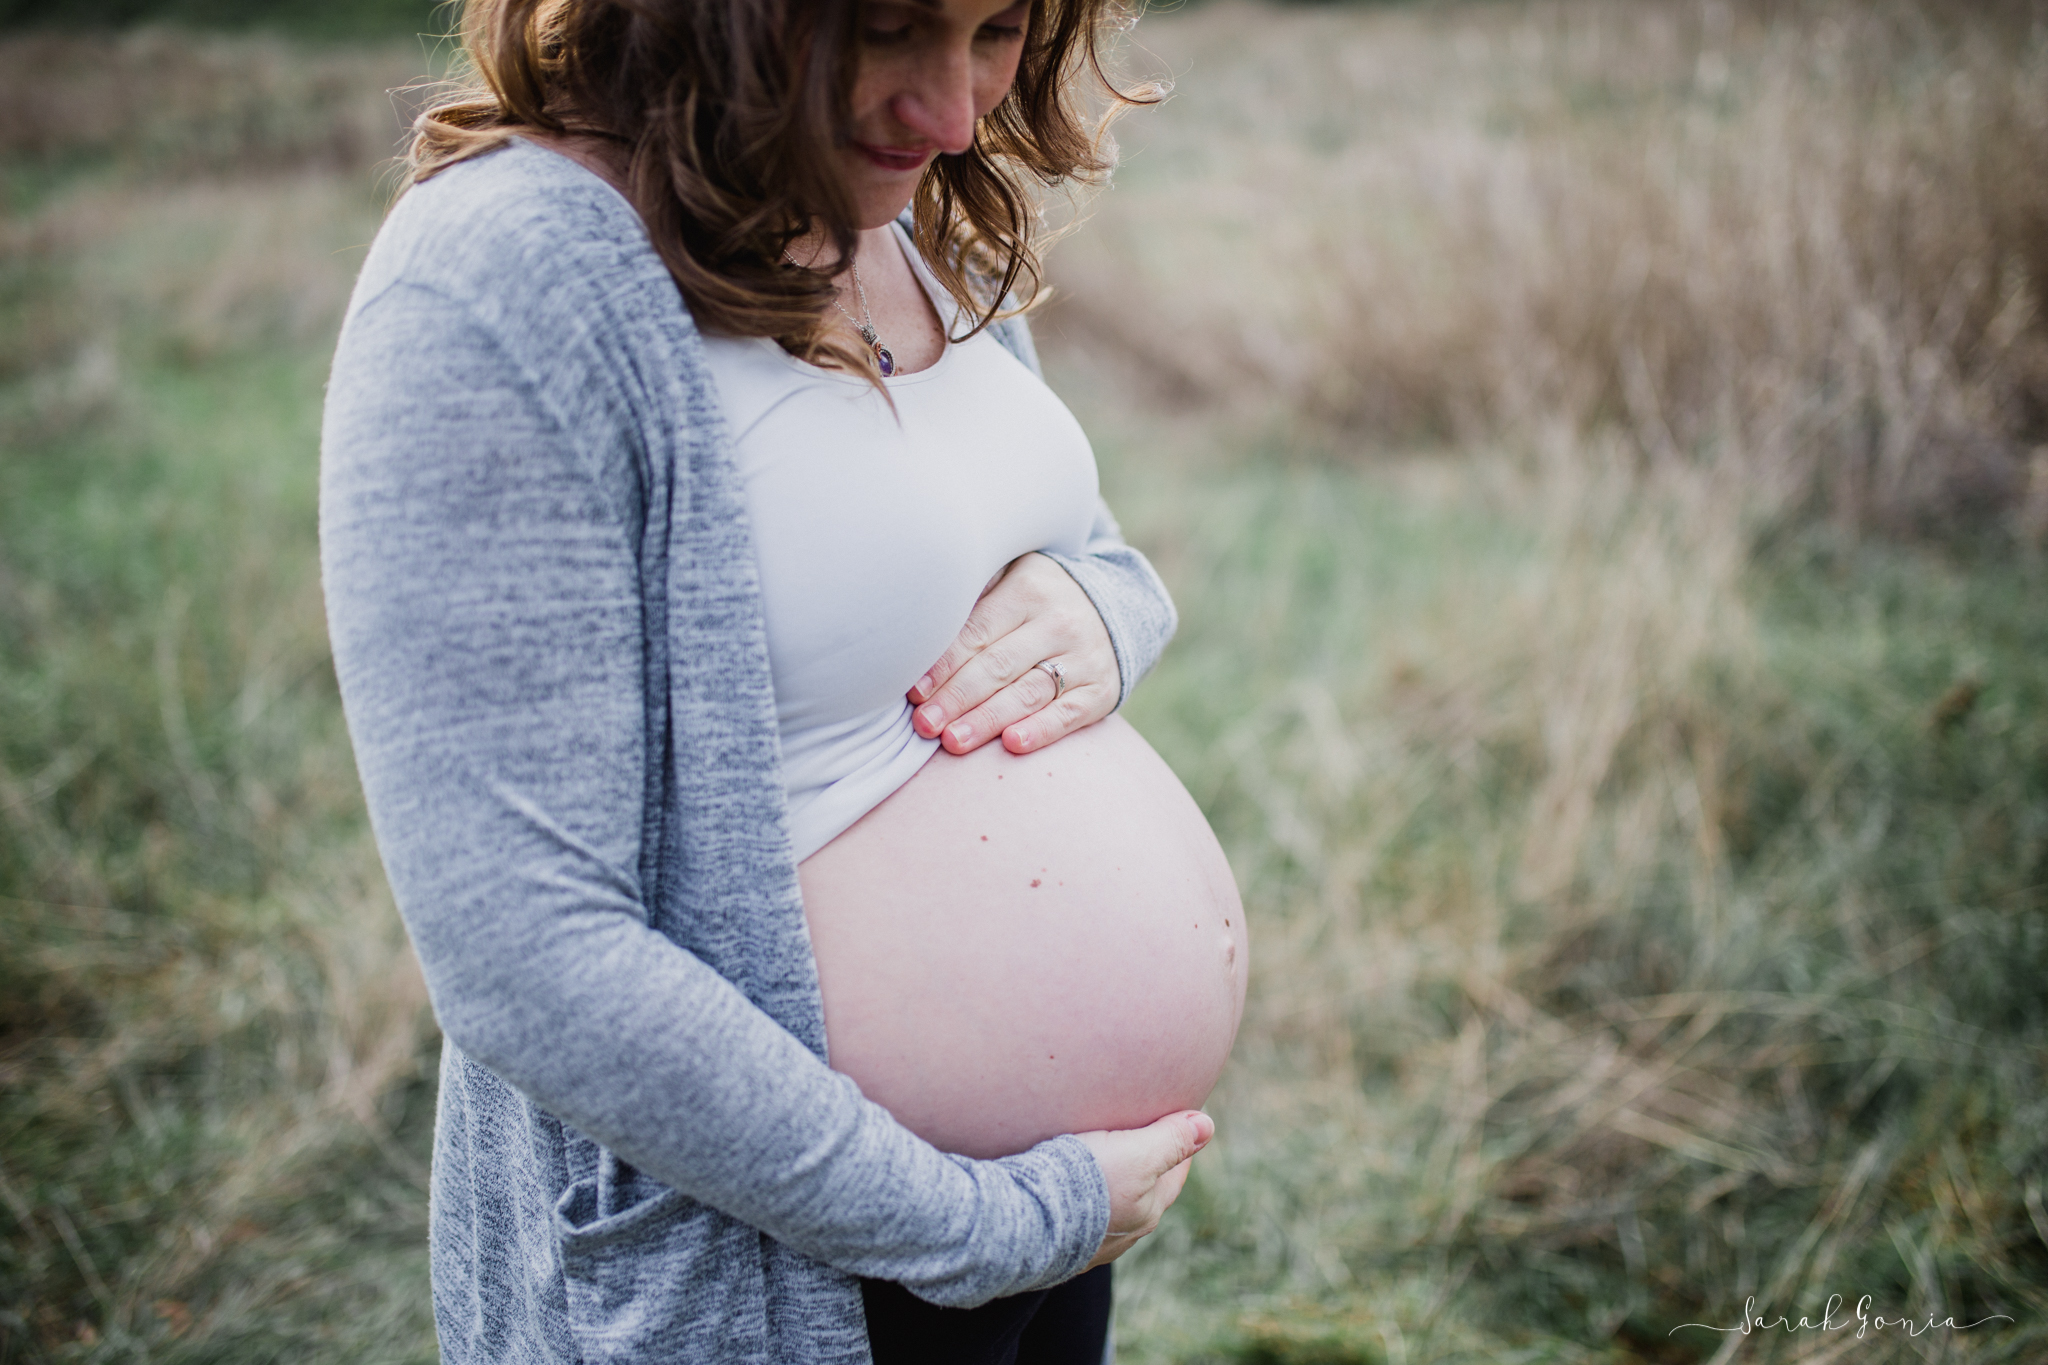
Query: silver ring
(1059, 676)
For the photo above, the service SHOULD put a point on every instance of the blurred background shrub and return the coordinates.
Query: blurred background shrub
(359, 19)
(1600, 449)
(1813, 234)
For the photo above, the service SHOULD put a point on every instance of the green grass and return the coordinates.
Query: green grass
(1845, 954)
(216, 1061)
(1648, 886)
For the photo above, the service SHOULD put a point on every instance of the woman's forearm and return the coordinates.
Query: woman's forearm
(1129, 596)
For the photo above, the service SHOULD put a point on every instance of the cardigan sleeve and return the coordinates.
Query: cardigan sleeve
(1133, 603)
(1127, 592)
(486, 620)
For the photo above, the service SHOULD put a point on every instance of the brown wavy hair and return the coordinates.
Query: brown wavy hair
(728, 112)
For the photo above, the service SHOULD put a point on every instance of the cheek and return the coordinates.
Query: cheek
(993, 78)
(873, 83)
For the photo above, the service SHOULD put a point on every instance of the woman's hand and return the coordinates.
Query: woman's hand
(988, 682)
(1145, 1168)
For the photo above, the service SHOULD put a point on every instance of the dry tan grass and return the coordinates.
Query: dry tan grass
(1814, 236)
(1538, 1018)
(1584, 678)
(1565, 1028)
(213, 1018)
(181, 103)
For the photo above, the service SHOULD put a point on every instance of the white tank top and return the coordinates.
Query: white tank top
(876, 531)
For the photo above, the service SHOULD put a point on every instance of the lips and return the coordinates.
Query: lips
(895, 158)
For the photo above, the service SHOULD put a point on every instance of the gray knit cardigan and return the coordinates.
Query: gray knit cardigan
(548, 633)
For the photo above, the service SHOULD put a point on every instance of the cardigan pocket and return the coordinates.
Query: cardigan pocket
(653, 1281)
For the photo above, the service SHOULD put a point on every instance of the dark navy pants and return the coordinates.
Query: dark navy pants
(1065, 1325)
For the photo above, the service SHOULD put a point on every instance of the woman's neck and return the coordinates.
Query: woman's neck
(601, 156)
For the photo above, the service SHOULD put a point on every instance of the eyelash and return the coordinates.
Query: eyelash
(888, 37)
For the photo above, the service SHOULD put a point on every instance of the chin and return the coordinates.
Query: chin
(879, 196)
(882, 209)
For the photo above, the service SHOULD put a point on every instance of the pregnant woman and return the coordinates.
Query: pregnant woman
(805, 1000)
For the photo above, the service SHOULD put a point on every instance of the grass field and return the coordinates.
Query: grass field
(1601, 454)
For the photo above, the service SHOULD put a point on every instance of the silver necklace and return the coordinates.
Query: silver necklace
(865, 323)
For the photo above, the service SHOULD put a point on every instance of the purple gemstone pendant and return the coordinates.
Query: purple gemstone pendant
(884, 362)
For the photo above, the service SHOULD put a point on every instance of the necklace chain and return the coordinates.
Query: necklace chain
(865, 323)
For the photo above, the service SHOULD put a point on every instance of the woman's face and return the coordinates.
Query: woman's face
(928, 70)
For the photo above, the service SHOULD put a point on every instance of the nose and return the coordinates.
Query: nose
(938, 104)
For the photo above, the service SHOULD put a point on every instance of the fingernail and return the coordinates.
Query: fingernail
(1019, 740)
(932, 717)
(924, 686)
(960, 733)
(1205, 1127)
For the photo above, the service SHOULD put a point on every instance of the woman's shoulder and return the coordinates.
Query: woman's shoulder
(516, 231)
(522, 274)
(536, 269)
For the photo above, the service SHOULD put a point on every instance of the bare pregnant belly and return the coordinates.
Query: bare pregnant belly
(1012, 948)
